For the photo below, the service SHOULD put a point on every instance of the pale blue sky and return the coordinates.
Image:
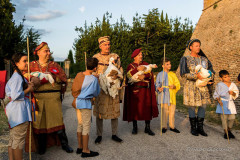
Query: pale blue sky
(57, 19)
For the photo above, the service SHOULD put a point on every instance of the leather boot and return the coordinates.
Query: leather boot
(147, 129)
(64, 141)
(200, 127)
(135, 128)
(42, 143)
(193, 126)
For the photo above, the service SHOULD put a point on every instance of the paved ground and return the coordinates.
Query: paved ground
(142, 146)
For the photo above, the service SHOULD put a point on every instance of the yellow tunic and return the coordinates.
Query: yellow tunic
(173, 80)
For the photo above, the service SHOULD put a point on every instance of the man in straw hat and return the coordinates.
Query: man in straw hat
(49, 127)
(105, 106)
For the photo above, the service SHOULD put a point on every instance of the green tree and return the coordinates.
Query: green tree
(149, 32)
(13, 36)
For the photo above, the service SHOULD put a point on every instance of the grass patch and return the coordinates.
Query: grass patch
(3, 121)
(210, 116)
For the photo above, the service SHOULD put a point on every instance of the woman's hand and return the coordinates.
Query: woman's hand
(199, 76)
(141, 77)
(141, 68)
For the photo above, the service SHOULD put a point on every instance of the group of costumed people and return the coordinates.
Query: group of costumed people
(100, 88)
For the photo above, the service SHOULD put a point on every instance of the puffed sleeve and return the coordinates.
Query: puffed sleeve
(131, 71)
(184, 71)
(16, 87)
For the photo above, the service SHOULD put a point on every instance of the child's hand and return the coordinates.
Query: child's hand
(220, 102)
(172, 87)
(160, 89)
(232, 93)
(30, 87)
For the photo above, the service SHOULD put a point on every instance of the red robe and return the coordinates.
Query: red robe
(139, 101)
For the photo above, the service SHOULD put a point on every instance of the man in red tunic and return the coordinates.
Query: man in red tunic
(140, 99)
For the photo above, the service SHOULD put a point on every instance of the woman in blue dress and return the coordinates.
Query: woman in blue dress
(18, 110)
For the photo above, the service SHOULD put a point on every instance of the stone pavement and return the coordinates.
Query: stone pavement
(170, 145)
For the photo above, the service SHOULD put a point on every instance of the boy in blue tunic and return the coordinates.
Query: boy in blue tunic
(170, 87)
(18, 110)
(84, 88)
(225, 92)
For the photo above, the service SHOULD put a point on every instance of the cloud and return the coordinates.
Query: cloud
(82, 9)
(46, 16)
(22, 7)
(43, 31)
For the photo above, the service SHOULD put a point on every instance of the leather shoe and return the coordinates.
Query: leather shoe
(175, 130)
(98, 140)
(116, 138)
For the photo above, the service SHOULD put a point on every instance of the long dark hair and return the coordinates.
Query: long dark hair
(15, 59)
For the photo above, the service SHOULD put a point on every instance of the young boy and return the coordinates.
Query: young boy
(170, 87)
(84, 88)
(225, 92)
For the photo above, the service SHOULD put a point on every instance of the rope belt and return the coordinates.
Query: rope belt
(47, 91)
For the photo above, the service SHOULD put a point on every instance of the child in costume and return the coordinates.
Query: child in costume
(18, 110)
(225, 92)
(84, 88)
(168, 87)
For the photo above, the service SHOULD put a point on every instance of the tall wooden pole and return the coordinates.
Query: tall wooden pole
(163, 88)
(30, 124)
(85, 54)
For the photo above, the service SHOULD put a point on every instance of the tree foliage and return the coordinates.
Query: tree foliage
(149, 32)
(13, 36)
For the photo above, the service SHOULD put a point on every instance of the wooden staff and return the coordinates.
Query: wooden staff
(224, 121)
(30, 124)
(85, 54)
(163, 88)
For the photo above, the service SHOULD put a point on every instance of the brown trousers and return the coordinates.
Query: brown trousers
(228, 121)
(99, 125)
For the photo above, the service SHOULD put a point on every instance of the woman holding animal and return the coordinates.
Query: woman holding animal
(195, 96)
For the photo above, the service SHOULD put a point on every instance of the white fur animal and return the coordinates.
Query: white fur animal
(206, 75)
(148, 69)
(108, 84)
(41, 75)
